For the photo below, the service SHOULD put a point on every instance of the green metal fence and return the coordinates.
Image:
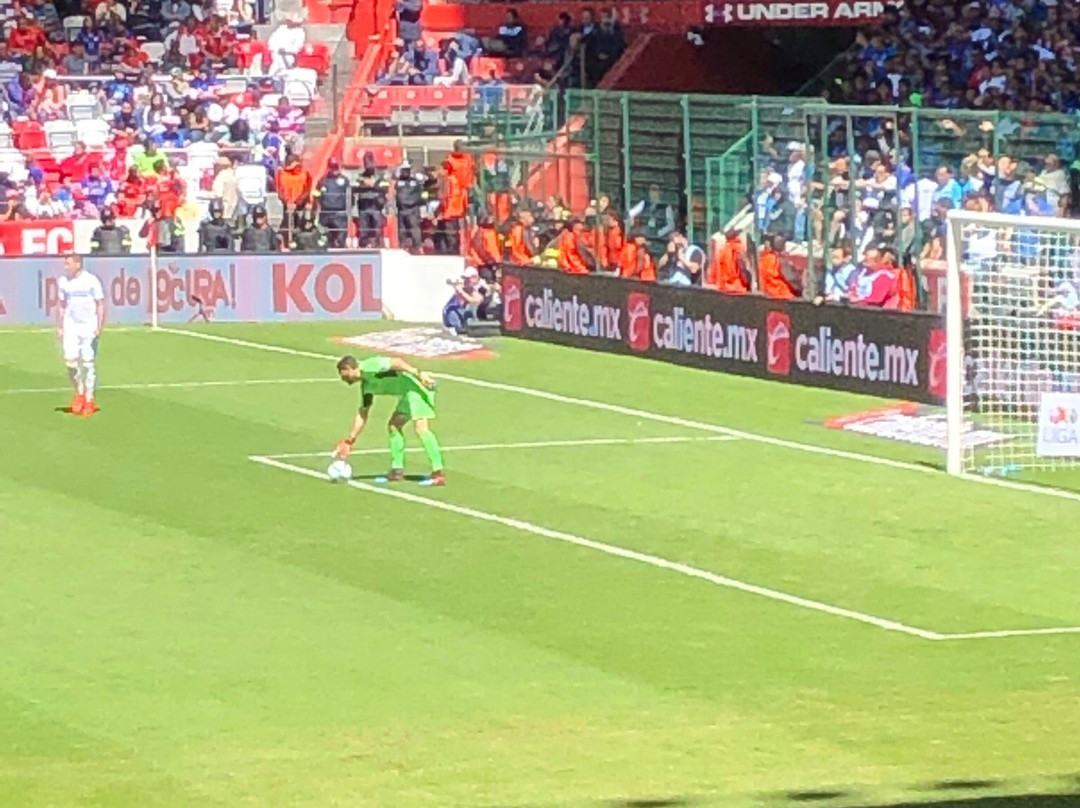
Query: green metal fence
(705, 152)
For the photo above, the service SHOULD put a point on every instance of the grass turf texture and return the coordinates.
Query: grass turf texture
(180, 626)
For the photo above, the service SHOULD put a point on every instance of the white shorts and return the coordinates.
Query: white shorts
(80, 344)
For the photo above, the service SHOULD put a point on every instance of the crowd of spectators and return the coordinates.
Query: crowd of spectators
(579, 53)
(988, 54)
(132, 105)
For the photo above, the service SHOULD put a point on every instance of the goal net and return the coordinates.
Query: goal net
(1013, 338)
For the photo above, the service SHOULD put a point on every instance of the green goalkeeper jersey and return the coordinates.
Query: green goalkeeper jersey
(378, 378)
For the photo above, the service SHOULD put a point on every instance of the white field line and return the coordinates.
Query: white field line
(167, 385)
(540, 444)
(612, 550)
(706, 427)
(666, 419)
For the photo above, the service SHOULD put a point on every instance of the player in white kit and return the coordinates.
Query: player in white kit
(80, 320)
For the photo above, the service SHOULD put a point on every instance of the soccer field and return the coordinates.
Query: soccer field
(643, 586)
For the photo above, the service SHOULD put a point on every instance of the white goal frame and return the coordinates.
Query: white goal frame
(955, 320)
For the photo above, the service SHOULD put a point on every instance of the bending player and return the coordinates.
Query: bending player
(415, 393)
(80, 318)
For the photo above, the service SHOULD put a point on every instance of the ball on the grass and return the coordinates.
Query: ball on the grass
(339, 470)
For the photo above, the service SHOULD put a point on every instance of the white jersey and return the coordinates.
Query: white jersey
(80, 296)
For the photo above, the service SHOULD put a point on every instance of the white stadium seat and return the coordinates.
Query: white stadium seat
(300, 86)
(72, 26)
(93, 132)
(82, 106)
(251, 181)
(60, 134)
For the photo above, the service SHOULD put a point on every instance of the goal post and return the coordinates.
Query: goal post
(1012, 318)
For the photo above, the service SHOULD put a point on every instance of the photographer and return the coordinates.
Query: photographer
(681, 265)
(469, 301)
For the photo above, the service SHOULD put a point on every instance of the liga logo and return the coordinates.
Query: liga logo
(1061, 416)
(638, 321)
(512, 303)
(778, 343)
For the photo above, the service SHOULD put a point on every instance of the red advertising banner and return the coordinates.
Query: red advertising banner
(783, 12)
(37, 237)
(661, 16)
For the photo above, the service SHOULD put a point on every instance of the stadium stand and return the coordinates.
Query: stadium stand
(137, 106)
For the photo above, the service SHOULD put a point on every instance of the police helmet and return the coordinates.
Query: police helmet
(108, 215)
(258, 212)
(217, 210)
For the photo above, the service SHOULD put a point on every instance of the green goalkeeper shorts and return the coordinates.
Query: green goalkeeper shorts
(419, 403)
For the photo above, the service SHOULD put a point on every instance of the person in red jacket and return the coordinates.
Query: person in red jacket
(131, 195)
(779, 279)
(25, 36)
(575, 257)
(635, 260)
(729, 272)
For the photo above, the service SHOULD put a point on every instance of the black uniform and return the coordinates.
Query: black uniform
(308, 239)
(260, 239)
(371, 193)
(110, 239)
(333, 194)
(215, 236)
(409, 194)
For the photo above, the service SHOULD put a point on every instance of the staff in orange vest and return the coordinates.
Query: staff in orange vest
(613, 239)
(454, 205)
(635, 260)
(729, 272)
(521, 241)
(778, 278)
(485, 246)
(575, 257)
(462, 165)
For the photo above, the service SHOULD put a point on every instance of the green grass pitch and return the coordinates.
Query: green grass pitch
(652, 588)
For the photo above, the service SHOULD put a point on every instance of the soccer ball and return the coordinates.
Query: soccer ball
(339, 470)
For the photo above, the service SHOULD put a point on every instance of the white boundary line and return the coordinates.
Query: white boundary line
(666, 419)
(168, 385)
(541, 444)
(706, 427)
(120, 329)
(274, 461)
(612, 550)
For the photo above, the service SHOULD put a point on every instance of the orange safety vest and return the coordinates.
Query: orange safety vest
(773, 282)
(905, 285)
(518, 246)
(463, 167)
(724, 272)
(571, 257)
(485, 247)
(293, 184)
(455, 201)
(635, 262)
(613, 244)
(501, 204)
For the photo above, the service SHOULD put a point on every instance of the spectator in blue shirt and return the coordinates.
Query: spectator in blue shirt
(98, 188)
(838, 278)
(948, 188)
(91, 40)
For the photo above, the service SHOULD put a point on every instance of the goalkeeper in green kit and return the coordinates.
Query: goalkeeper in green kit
(415, 394)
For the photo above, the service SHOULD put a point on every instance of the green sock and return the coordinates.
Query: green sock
(397, 449)
(434, 453)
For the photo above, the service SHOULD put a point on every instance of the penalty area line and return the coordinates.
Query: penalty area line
(604, 406)
(613, 550)
(540, 444)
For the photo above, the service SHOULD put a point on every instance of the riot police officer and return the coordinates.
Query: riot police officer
(308, 238)
(110, 238)
(259, 236)
(371, 192)
(215, 235)
(409, 196)
(333, 200)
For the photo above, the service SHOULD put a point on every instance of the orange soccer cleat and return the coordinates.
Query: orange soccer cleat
(77, 404)
(89, 407)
